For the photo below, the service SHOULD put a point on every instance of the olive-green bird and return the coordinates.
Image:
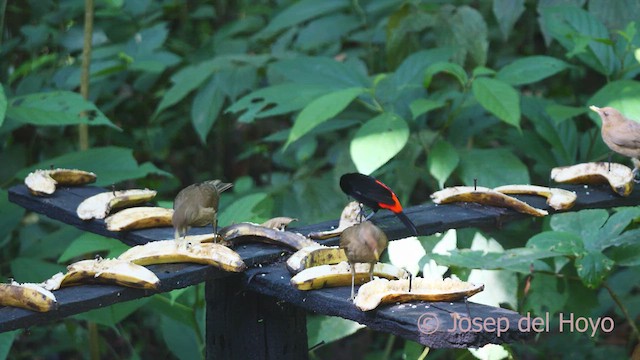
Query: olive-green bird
(363, 243)
(197, 205)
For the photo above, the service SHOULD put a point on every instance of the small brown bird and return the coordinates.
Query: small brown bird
(621, 134)
(363, 243)
(197, 205)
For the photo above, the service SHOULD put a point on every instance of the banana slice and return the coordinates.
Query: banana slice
(171, 251)
(318, 277)
(315, 255)
(27, 296)
(43, 182)
(242, 232)
(486, 196)
(348, 218)
(100, 205)
(559, 199)
(106, 271)
(619, 177)
(139, 218)
(383, 291)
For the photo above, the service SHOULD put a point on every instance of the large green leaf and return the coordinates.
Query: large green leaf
(530, 69)
(563, 243)
(277, 100)
(517, 259)
(27, 269)
(378, 141)
(329, 328)
(450, 68)
(320, 71)
(593, 268)
(89, 244)
(299, 12)
(206, 107)
(111, 315)
(186, 80)
(10, 216)
(56, 108)
(471, 32)
(620, 94)
(492, 167)
(322, 109)
(111, 165)
(242, 209)
(6, 341)
(442, 160)
(422, 106)
(507, 13)
(586, 224)
(3, 105)
(182, 340)
(499, 98)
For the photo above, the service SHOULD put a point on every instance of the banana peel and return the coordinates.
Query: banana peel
(44, 182)
(27, 296)
(100, 205)
(348, 218)
(383, 291)
(139, 218)
(619, 177)
(278, 223)
(171, 251)
(244, 232)
(558, 199)
(486, 196)
(322, 276)
(315, 255)
(104, 271)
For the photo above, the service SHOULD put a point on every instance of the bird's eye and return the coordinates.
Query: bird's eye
(606, 113)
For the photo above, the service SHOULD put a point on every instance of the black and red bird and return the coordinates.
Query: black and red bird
(374, 194)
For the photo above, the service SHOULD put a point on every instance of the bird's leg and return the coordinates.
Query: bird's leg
(371, 265)
(361, 213)
(609, 160)
(215, 230)
(353, 281)
(410, 280)
(636, 167)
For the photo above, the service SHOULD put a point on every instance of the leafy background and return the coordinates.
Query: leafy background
(282, 97)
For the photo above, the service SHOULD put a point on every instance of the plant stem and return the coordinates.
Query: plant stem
(617, 300)
(3, 10)
(389, 346)
(94, 345)
(83, 129)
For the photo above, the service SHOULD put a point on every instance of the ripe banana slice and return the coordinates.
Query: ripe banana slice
(619, 177)
(383, 291)
(315, 255)
(43, 182)
(318, 277)
(348, 218)
(242, 232)
(139, 218)
(171, 251)
(100, 205)
(27, 296)
(559, 199)
(106, 271)
(486, 196)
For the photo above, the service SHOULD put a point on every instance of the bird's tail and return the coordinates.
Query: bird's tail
(219, 185)
(407, 222)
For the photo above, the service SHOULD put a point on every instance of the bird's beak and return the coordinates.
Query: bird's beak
(595, 108)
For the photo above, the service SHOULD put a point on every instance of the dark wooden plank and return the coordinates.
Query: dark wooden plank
(78, 299)
(429, 323)
(248, 325)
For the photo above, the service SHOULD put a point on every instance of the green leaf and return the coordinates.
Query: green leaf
(615, 14)
(27, 269)
(625, 255)
(470, 31)
(276, 100)
(10, 215)
(499, 98)
(3, 105)
(378, 141)
(620, 94)
(322, 109)
(329, 328)
(450, 68)
(560, 113)
(206, 108)
(593, 268)
(546, 294)
(242, 209)
(111, 315)
(442, 160)
(111, 165)
(517, 259)
(422, 106)
(586, 224)
(6, 341)
(320, 71)
(563, 243)
(507, 13)
(89, 244)
(492, 168)
(299, 12)
(180, 339)
(530, 69)
(56, 108)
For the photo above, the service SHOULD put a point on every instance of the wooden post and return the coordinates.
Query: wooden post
(247, 325)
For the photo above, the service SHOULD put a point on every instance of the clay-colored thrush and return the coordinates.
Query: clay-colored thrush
(621, 134)
(197, 205)
(363, 243)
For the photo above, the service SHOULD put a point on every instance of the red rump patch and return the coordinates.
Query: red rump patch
(395, 207)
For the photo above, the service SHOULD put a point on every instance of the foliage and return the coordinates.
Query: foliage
(283, 97)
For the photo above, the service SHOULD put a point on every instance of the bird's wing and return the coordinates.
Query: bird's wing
(627, 136)
(362, 186)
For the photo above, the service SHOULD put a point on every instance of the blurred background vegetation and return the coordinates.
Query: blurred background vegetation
(282, 97)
